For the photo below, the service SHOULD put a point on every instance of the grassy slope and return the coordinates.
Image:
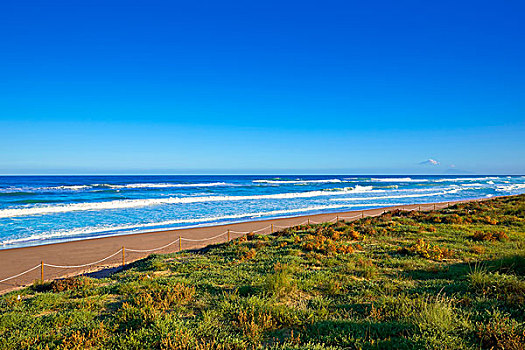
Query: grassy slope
(449, 279)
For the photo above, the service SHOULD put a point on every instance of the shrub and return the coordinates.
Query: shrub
(477, 249)
(490, 236)
(490, 220)
(282, 244)
(452, 219)
(253, 324)
(501, 333)
(353, 234)
(260, 244)
(345, 249)
(93, 338)
(76, 284)
(431, 229)
(250, 254)
(429, 251)
(280, 282)
(164, 297)
(367, 269)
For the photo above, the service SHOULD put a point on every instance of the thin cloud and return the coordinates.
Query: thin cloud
(430, 161)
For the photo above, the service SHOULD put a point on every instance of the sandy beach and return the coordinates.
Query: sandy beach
(76, 253)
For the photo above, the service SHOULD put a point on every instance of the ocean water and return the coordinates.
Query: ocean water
(38, 210)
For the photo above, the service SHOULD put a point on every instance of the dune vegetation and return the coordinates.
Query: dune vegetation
(446, 279)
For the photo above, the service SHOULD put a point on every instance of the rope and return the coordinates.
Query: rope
(239, 232)
(151, 250)
(279, 226)
(262, 229)
(84, 265)
(259, 230)
(20, 274)
(285, 226)
(350, 217)
(204, 239)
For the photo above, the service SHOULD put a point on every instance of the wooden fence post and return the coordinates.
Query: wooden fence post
(123, 256)
(42, 271)
(180, 244)
(271, 229)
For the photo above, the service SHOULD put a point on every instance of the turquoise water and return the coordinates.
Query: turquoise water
(47, 209)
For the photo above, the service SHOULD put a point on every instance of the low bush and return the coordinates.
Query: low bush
(76, 284)
(490, 236)
(501, 332)
(280, 283)
(429, 251)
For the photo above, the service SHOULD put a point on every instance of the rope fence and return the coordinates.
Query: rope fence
(20, 274)
(83, 265)
(271, 228)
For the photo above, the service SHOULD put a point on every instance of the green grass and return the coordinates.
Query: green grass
(449, 279)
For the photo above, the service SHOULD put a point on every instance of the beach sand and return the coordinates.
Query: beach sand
(74, 253)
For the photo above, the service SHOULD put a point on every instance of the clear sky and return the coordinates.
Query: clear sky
(262, 87)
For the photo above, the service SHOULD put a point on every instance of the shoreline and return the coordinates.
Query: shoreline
(124, 249)
(203, 225)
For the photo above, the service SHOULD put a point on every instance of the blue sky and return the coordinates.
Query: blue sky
(117, 87)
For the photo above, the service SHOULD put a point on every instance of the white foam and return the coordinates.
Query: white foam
(136, 203)
(509, 188)
(467, 179)
(65, 187)
(166, 185)
(49, 188)
(397, 179)
(359, 188)
(283, 182)
(114, 186)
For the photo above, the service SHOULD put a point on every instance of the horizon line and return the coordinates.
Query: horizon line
(276, 174)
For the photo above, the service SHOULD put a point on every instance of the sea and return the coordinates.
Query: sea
(36, 210)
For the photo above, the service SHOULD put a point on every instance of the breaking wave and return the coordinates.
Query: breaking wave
(136, 203)
(284, 182)
(509, 188)
(397, 179)
(115, 186)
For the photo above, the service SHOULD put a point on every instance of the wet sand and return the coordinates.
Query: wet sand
(16, 260)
